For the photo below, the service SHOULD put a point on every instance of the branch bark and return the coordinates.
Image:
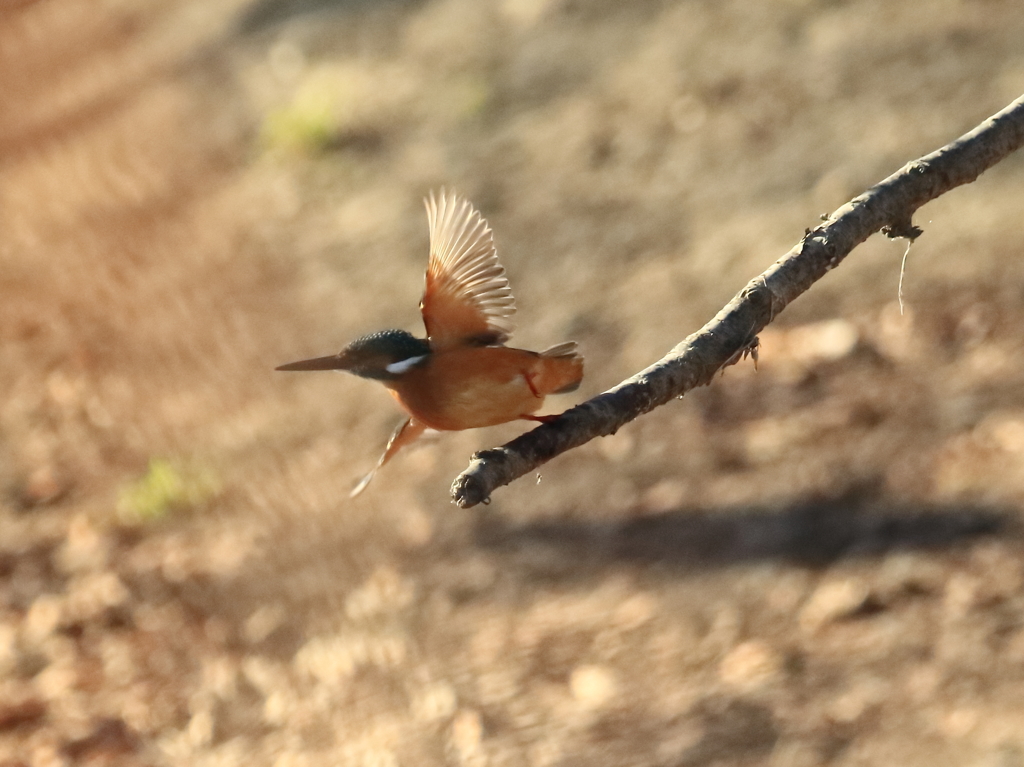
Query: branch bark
(888, 207)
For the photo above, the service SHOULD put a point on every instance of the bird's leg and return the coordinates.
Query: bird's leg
(540, 418)
(408, 431)
(529, 382)
(533, 389)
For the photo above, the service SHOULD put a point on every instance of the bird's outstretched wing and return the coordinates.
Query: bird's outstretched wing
(467, 299)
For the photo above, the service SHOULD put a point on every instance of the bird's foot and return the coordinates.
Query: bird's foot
(539, 418)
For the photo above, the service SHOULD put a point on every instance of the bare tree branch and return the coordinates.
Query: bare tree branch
(888, 207)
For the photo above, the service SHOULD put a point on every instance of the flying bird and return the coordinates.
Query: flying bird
(461, 376)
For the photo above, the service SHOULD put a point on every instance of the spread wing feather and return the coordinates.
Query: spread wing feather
(467, 299)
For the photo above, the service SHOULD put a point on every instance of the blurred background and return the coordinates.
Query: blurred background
(818, 562)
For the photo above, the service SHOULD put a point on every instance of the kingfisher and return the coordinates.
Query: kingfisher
(462, 375)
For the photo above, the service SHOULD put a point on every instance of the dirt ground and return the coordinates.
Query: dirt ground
(818, 562)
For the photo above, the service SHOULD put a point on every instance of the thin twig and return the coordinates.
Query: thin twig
(888, 206)
(903, 271)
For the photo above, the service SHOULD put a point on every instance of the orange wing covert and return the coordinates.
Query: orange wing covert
(467, 300)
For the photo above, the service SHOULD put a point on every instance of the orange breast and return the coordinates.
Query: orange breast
(470, 387)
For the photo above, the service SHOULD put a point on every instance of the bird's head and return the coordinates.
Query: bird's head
(383, 356)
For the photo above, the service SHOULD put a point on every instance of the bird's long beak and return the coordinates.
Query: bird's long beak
(334, 362)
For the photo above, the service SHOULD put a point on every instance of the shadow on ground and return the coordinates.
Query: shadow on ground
(269, 13)
(814, 534)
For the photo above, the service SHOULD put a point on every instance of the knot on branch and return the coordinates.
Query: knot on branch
(902, 227)
(764, 302)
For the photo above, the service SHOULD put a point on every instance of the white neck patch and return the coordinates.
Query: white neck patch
(397, 368)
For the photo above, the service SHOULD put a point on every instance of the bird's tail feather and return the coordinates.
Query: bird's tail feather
(564, 349)
(563, 368)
